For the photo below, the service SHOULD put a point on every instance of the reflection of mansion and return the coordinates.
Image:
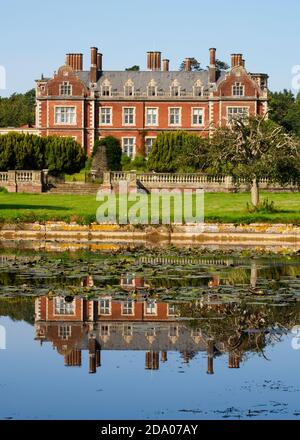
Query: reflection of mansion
(131, 324)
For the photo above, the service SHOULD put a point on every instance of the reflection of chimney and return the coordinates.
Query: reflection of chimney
(164, 356)
(233, 360)
(98, 358)
(166, 65)
(73, 359)
(152, 360)
(212, 65)
(210, 357)
(92, 355)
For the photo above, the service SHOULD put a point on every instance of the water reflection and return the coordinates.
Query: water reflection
(74, 325)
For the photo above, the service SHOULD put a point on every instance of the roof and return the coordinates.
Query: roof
(141, 79)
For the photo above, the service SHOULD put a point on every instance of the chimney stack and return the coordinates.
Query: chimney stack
(212, 65)
(74, 60)
(188, 64)
(94, 61)
(166, 65)
(154, 60)
(99, 62)
(239, 59)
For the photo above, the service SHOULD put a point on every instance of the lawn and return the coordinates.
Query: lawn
(219, 207)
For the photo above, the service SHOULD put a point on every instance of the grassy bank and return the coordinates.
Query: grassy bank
(219, 207)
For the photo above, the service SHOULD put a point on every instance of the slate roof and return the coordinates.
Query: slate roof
(141, 79)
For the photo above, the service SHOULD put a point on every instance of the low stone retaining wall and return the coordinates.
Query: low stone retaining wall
(208, 234)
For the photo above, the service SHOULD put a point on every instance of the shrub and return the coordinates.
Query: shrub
(113, 152)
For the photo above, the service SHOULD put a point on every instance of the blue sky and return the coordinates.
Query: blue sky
(36, 35)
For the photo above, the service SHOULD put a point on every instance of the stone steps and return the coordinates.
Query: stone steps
(74, 188)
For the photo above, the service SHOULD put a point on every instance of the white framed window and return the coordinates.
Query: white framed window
(65, 89)
(238, 89)
(175, 116)
(127, 307)
(105, 306)
(171, 310)
(152, 91)
(106, 90)
(237, 113)
(197, 116)
(61, 307)
(65, 115)
(197, 90)
(128, 146)
(175, 90)
(127, 330)
(104, 330)
(148, 144)
(151, 307)
(152, 116)
(128, 90)
(128, 115)
(64, 332)
(106, 116)
(173, 331)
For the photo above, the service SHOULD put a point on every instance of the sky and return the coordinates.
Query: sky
(35, 35)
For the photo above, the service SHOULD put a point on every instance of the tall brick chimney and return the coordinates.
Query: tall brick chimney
(233, 60)
(93, 69)
(74, 60)
(166, 65)
(149, 60)
(188, 64)
(99, 62)
(239, 59)
(212, 65)
(154, 60)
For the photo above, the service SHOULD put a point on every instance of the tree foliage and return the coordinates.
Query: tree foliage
(113, 152)
(253, 149)
(134, 68)
(30, 152)
(195, 65)
(18, 109)
(177, 152)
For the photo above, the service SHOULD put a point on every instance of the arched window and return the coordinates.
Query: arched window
(106, 88)
(175, 88)
(152, 88)
(129, 88)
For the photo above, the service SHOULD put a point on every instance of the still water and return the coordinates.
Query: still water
(149, 334)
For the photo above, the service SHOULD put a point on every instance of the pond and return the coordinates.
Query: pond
(149, 333)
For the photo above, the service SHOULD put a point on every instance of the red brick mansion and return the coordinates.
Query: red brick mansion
(135, 106)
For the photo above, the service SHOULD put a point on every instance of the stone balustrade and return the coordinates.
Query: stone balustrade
(187, 181)
(22, 181)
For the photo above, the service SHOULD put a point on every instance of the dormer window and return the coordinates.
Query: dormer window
(105, 91)
(197, 91)
(175, 91)
(175, 88)
(65, 89)
(238, 89)
(152, 91)
(128, 88)
(106, 88)
(128, 91)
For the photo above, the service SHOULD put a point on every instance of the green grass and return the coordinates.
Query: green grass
(225, 208)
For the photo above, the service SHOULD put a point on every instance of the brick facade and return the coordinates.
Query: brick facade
(87, 92)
